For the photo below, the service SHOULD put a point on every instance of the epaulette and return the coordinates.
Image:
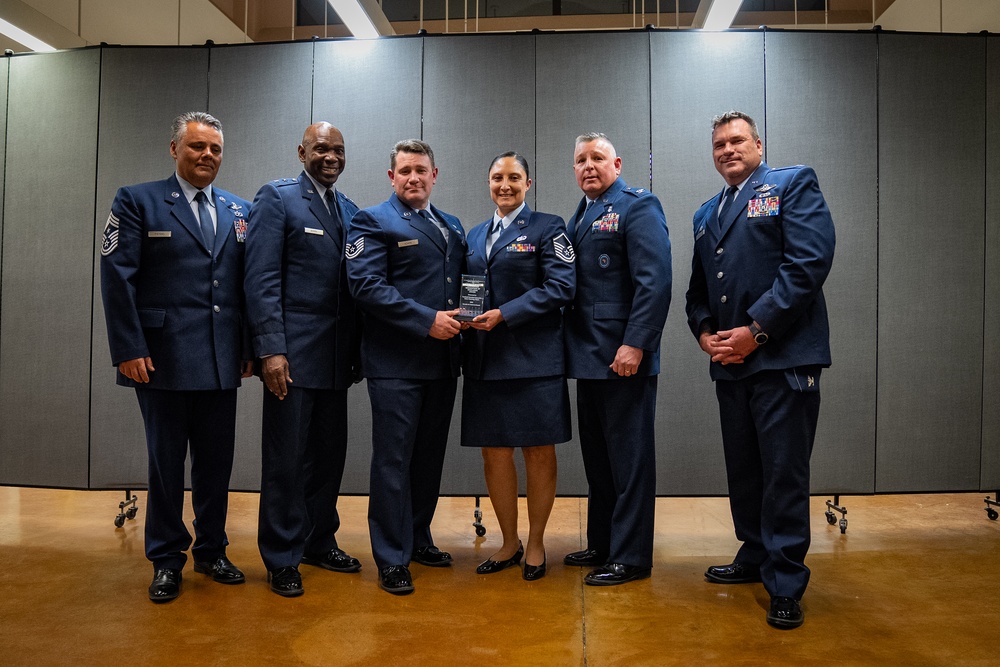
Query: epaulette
(636, 192)
(279, 182)
(349, 199)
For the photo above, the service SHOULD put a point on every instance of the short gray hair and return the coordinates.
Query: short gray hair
(179, 126)
(730, 116)
(410, 146)
(587, 137)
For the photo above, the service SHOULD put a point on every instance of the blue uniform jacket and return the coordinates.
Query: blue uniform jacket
(623, 278)
(401, 273)
(297, 297)
(169, 297)
(768, 263)
(529, 277)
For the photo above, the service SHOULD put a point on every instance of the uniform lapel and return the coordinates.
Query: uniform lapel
(424, 227)
(226, 217)
(746, 194)
(512, 232)
(317, 207)
(181, 210)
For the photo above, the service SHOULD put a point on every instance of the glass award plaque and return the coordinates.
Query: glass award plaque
(472, 297)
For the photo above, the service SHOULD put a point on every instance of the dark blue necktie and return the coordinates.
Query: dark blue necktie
(425, 214)
(495, 232)
(205, 220)
(584, 219)
(727, 202)
(331, 206)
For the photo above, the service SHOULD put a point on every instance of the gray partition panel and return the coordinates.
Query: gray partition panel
(472, 113)
(931, 255)
(142, 90)
(469, 117)
(262, 139)
(48, 221)
(990, 473)
(4, 72)
(576, 92)
(694, 77)
(826, 117)
(581, 88)
(371, 90)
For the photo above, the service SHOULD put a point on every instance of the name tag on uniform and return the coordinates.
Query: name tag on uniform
(760, 207)
(159, 235)
(407, 244)
(313, 230)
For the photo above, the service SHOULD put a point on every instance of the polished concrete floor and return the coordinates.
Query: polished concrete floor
(914, 581)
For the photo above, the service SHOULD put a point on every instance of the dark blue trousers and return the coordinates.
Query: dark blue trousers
(175, 420)
(616, 420)
(303, 449)
(410, 421)
(768, 428)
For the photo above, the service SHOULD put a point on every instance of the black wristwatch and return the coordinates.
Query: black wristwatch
(759, 336)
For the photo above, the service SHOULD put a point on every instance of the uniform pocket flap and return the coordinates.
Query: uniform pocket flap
(611, 311)
(152, 318)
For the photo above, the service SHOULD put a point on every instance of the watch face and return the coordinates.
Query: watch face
(760, 338)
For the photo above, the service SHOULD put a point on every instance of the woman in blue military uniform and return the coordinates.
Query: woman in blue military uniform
(515, 392)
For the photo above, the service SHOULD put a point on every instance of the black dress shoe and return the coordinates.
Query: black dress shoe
(613, 574)
(395, 579)
(490, 566)
(166, 585)
(734, 573)
(334, 560)
(432, 557)
(533, 572)
(585, 558)
(286, 581)
(221, 570)
(785, 613)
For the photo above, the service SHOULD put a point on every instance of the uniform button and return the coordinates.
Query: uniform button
(718, 251)
(719, 274)
(487, 292)
(215, 283)
(216, 309)
(449, 279)
(723, 299)
(450, 302)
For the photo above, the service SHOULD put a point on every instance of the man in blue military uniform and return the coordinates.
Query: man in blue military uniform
(613, 349)
(763, 248)
(302, 320)
(405, 260)
(172, 282)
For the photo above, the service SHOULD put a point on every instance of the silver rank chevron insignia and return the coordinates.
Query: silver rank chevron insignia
(355, 249)
(564, 249)
(110, 240)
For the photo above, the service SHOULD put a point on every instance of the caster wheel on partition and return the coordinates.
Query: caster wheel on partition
(991, 513)
(119, 521)
(831, 518)
(843, 526)
(481, 530)
(130, 514)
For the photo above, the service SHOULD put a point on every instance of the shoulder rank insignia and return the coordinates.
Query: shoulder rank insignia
(109, 242)
(564, 249)
(354, 249)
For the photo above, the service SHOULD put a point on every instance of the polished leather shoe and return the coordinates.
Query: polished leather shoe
(432, 557)
(490, 566)
(585, 558)
(221, 570)
(734, 573)
(166, 585)
(334, 560)
(395, 579)
(785, 613)
(533, 572)
(286, 581)
(613, 574)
